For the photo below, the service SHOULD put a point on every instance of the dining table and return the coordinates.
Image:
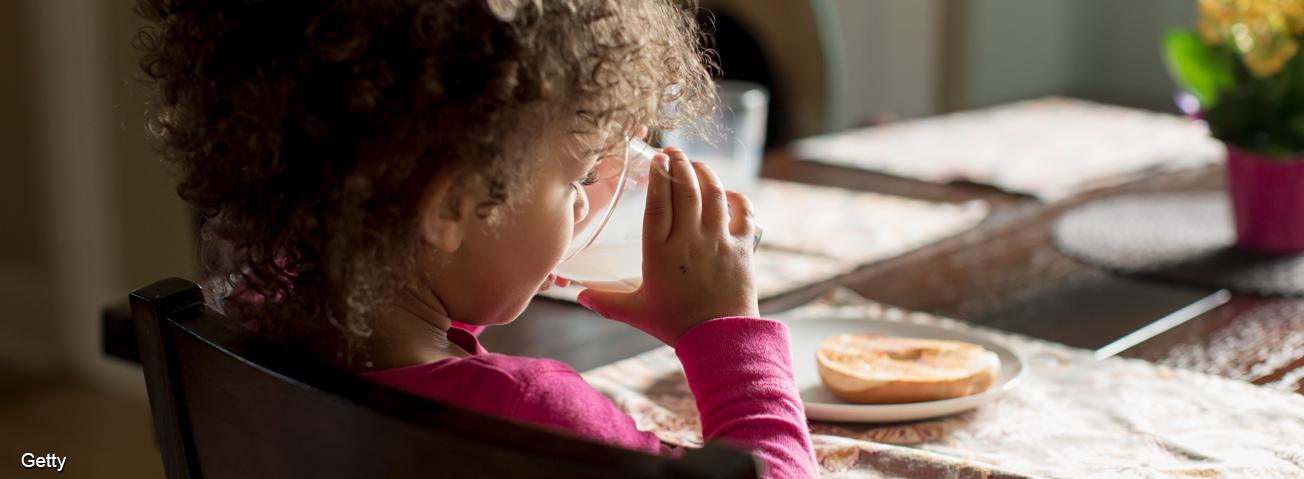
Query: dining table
(1004, 277)
(1005, 273)
(1117, 381)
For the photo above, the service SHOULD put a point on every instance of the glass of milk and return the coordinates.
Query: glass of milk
(606, 251)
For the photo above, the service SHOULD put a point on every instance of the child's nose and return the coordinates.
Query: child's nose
(581, 206)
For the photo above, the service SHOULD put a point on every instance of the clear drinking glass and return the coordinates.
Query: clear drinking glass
(606, 251)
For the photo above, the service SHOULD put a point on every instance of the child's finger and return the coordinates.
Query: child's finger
(658, 214)
(714, 214)
(610, 305)
(685, 194)
(743, 222)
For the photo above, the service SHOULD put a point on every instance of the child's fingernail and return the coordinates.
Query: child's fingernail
(662, 161)
(585, 301)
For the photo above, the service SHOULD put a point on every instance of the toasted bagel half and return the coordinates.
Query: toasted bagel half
(880, 369)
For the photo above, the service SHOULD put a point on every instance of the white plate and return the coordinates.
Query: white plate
(808, 334)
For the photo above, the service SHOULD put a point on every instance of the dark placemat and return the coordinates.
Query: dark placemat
(1185, 237)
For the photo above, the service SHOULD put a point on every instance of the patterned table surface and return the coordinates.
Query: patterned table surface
(1072, 416)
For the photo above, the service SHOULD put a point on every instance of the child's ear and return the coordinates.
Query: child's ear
(446, 213)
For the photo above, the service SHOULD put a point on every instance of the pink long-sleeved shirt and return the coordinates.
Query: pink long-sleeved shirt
(739, 370)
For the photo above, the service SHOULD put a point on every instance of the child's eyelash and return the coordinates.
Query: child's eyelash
(590, 178)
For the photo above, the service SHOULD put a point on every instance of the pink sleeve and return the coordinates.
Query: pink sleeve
(740, 372)
(555, 395)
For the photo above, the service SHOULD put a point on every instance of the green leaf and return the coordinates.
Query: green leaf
(1296, 67)
(1297, 127)
(1194, 67)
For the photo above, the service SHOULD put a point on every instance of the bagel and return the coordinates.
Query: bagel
(880, 369)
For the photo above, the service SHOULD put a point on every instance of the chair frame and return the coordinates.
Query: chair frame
(185, 345)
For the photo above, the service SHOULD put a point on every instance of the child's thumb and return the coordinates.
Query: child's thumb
(610, 305)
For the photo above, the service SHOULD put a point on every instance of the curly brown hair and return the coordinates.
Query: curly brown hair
(306, 132)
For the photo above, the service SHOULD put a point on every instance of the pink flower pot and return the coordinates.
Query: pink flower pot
(1268, 201)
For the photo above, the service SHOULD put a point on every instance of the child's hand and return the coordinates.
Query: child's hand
(697, 259)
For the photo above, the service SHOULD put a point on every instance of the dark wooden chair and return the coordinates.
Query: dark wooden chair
(230, 404)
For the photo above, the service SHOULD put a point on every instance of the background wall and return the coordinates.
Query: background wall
(25, 271)
(891, 50)
(1116, 50)
(1020, 48)
(87, 208)
(919, 57)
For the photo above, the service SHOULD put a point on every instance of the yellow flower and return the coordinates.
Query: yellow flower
(1263, 31)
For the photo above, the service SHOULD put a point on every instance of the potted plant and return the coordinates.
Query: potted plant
(1241, 65)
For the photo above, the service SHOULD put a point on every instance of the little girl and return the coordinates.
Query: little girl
(381, 179)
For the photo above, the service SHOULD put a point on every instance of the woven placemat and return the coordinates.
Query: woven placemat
(1186, 237)
(1051, 148)
(1072, 416)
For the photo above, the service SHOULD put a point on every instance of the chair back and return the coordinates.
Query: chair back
(228, 403)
